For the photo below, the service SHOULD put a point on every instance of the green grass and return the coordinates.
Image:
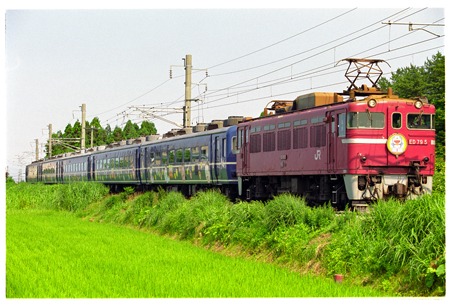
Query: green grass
(55, 255)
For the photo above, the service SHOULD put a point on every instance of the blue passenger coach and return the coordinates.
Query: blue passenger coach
(185, 163)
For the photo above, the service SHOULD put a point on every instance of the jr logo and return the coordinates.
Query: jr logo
(317, 155)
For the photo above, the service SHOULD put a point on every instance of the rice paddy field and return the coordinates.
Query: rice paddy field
(54, 254)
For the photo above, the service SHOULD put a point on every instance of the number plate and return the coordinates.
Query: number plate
(418, 142)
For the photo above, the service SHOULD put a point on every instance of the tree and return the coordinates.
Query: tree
(147, 128)
(129, 131)
(101, 137)
(117, 134)
(108, 132)
(428, 81)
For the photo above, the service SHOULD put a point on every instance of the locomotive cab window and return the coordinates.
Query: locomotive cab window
(396, 120)
(365, 120)
(420, 121)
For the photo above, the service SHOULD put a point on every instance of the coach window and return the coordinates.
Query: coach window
(157, 159)
(396, 120)
(131, 161)
(341, 125)
(151, 159)
(204, 153)
(195, 154)
(179, 158)
(164, 157)
(187, 155)
(224, 146)
(171, 156)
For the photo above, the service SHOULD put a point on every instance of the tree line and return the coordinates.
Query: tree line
(101, 136)
(429, 81)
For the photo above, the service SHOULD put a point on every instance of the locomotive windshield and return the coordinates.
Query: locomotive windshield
(420, 121)
(372, 120)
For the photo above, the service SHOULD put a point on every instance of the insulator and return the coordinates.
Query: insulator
(207, 74)
(170, 74)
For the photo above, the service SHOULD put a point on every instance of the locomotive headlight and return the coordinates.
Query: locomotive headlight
(426, 159)
(418, 104)
(372, 103)
(364, 158)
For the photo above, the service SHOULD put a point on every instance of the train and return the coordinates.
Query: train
(347, 152)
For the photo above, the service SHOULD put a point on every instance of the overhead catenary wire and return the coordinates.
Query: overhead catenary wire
(309, 57)
(212, 101)
(266, 47)
(297, 54)
(209, 95)
(271, 45)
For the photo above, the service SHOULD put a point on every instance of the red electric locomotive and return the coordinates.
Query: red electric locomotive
(370, 146)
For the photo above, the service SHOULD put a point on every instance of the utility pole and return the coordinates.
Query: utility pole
(188, 82)
(37, 150)
(83, 124)
(50, 140)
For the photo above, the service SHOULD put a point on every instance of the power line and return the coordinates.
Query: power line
(239, 93)
(311, 56)
(327, 43)
(271, 45)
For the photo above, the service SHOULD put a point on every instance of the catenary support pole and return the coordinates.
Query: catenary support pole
(187, 110)
(83, 126)
(50, 140)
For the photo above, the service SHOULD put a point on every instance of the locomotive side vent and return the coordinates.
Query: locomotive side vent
(300, 138)
(269, 141)
(318, 136)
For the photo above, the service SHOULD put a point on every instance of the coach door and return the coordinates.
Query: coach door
(92, 163)
(144, 164)
(216, 159)
(137, 164)
(243, 146)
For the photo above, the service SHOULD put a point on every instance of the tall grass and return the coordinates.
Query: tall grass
(395, 238)
(70, 197)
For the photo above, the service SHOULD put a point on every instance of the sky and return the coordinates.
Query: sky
(114, 60)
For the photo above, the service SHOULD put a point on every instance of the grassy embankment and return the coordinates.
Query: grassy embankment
(398, 247)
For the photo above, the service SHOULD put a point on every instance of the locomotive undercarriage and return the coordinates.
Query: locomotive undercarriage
(355, 190)
(373, 187)
(317, 190)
